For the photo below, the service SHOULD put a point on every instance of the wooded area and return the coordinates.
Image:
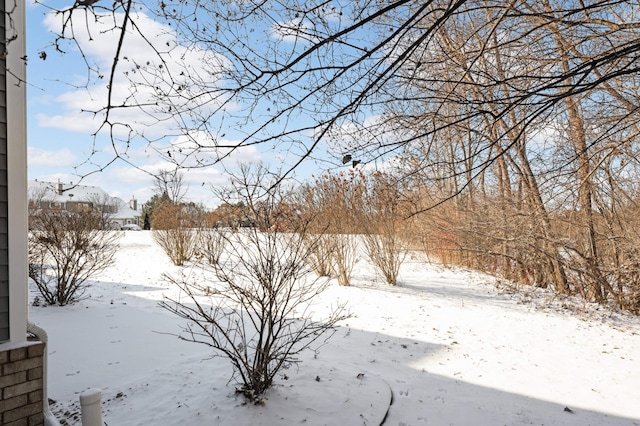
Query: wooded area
(509, 128)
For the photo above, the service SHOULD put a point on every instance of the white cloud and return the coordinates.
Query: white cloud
(149, 79)
(198, 148)
(59, 158)
(350, 136)
(72, 122)
(291, 31)
(544, 138)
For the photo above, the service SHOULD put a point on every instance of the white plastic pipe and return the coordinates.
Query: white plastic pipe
(49, 418)
(90, 408)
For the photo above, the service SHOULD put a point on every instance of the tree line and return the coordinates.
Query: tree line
(510, 127)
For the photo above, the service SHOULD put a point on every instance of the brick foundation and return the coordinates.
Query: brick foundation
(21, 385)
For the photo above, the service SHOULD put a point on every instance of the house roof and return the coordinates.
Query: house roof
(126, 212)
(61, 193)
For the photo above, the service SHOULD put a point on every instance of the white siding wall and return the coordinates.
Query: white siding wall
(17, 171)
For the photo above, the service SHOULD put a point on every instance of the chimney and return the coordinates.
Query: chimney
(133, 203)
(59, 187)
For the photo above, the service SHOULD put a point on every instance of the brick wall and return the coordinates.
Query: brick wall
(21, 385)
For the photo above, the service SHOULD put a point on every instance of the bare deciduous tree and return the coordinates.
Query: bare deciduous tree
(332, 64)
(39, 197)
(106, 207)
(170, 182)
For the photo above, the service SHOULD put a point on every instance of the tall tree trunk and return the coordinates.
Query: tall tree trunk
(532, 190)
(577, 137)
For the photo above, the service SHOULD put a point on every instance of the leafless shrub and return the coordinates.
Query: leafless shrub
(387, 253)
(210, 245)
(335, 201)
(320, 254)
(344, 249)
(170, 231)
(258, 311)
(65, 250)
(384, 233)
(178, 243)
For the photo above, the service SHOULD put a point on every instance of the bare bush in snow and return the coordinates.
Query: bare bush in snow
(384, 226)
(66, 248)
(344, 249)
(320, 254)
(171, 232)
(256, 308)
(210, 245)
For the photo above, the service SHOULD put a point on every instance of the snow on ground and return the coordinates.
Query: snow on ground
(445, 347)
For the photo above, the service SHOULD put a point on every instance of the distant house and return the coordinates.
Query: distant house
(58, 195)
(127, 214)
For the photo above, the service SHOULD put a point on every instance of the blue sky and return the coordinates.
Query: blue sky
(60, 136)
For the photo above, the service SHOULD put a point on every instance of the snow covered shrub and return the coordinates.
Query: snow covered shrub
(256, 307)
(171, 230)
(66, 248)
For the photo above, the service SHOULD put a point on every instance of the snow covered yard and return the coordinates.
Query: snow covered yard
(444, 347)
